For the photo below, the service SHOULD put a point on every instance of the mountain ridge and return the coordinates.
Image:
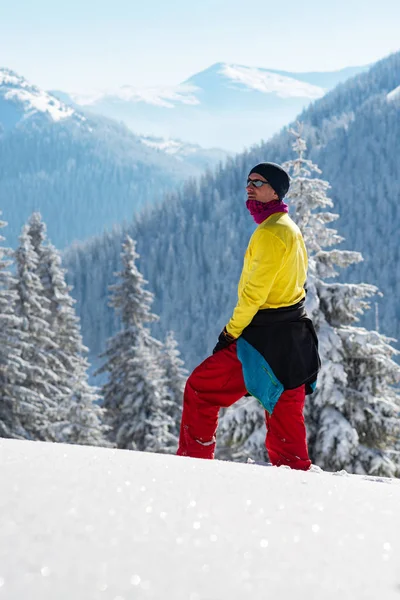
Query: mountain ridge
(219, 106)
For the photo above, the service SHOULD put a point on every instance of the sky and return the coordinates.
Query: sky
(89, 523)
(87, 45)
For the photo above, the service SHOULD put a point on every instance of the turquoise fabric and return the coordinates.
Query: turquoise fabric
(259, 378)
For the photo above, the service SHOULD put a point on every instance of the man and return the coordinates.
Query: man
(269, 348)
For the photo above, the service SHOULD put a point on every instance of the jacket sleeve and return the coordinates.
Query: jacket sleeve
(267, 257)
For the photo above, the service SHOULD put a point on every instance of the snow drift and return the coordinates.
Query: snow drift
(91, 523)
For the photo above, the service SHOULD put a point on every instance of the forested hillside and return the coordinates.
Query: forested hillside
(84, 173)
(83, 177)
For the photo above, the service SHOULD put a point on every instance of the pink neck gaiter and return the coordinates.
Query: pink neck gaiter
(262, 210)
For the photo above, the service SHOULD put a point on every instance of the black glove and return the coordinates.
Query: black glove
(224, 339)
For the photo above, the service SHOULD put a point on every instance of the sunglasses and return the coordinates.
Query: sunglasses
(256, 183)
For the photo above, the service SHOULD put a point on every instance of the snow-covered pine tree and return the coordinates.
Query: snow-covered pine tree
(176, 376)
(11, 343)
(43, 372)
(241, 432)
(79, 419)
(353, 416)
(144, 422)
(135, 396)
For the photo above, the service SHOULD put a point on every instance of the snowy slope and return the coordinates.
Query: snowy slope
(19, 100)
(261, 80)
(394, 94)
(88, 523)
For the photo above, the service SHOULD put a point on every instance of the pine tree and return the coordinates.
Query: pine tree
(176, 376)
(242, 430)
(42, 371)
(353, 416)
(11, 375)
(79, 418)
(135, 397)
(144, 422)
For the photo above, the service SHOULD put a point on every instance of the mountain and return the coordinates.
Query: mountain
(20, 101)
(83, 172)
(90, 523)
(326, 79)
(198, 235)
(226, 105)
(190, 154)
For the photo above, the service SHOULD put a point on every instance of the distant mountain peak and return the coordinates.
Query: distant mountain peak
(255, 79)
(170, 146)
(29, 99)
(180, 149)
(266, 81)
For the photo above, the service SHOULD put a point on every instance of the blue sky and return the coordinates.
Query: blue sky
(82, 45)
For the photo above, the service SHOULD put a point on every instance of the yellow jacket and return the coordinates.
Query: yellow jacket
(274, 270)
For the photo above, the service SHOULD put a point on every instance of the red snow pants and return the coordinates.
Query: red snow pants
(218, 382)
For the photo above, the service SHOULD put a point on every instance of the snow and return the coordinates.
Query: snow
(32, 98)
(91, 523)
(42, 102)
(9, 78)
(157, 96)
(170, 146)
(394, 94)
(268, 82)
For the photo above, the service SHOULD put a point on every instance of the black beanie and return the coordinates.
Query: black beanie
(277, 177)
